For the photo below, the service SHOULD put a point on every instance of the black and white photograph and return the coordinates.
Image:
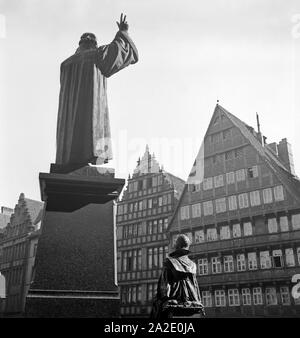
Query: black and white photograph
(150, 161)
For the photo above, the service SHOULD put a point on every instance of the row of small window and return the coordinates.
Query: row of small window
(130, 260)
(226, 156)
(233, 202)
(131, 294)
(16, 251)
(236, 230)
(144, 204)
(267, 261)
(13, 276)
(223, 135)
(156, 226)
(145, 183)
(132, 230)
(236, 297)
(225, 232)
(156, 256)
(231, 177)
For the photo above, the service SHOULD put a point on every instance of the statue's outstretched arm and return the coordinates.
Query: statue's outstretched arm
(120, 53)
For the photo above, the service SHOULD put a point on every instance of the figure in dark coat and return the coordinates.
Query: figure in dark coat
(83, 129)
(178, 290)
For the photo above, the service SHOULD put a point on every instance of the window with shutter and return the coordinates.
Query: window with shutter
(267, 195)
(240, 175)
(289, 257)
(248, 231)
(207, 208)
(265, 260)
(232, 202)
(211, 234)
(296, 221)
(199, 236)
(272, 225)
(271, 296)
(243, 200)
(236, 230)
(254, 198)
(220, 205)
(284, 223)
(196, 210)
(225, 232)
(278, 193)
(252, 262)
(230, 177)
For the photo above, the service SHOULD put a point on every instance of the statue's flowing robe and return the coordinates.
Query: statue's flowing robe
(177, 284)
(83, 129)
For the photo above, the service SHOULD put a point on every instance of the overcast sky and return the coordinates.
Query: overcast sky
(244, 53)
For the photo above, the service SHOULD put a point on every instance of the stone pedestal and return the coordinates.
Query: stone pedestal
(75, 267)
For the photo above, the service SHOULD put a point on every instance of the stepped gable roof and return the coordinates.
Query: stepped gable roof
(33, 212)
(32, 208)
(147, 164)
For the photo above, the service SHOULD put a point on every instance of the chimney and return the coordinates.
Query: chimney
(285, 155)
(273, 147)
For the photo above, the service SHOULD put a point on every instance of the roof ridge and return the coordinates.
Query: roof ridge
(32, 200)
(168, 173)
(266, 154)
(33, 209)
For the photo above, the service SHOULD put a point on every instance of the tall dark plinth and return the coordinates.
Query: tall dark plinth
(75, 265)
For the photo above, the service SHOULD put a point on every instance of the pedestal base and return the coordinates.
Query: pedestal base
(75, 265)
(45, 304)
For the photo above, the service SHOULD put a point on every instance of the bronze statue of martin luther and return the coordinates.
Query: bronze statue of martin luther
(83, 129)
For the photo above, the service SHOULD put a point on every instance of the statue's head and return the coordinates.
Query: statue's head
(88, 40)
(182, 242)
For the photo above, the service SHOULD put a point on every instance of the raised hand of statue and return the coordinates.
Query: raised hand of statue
(123, 25)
